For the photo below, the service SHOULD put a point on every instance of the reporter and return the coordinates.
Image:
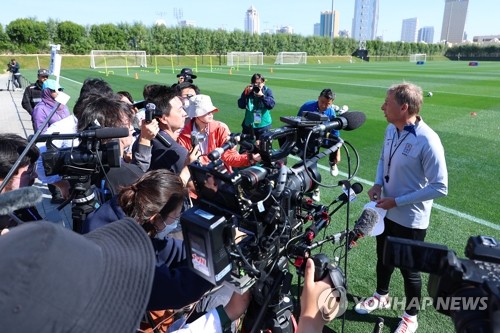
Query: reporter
(155, 201)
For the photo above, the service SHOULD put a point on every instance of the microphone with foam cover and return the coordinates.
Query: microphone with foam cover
(22, 198)
(364, 226)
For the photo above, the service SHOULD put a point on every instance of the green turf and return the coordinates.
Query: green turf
(471, 143)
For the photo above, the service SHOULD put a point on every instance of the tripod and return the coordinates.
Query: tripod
(271, 308)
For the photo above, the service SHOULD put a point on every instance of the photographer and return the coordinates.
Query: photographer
(11, 147)
(209, 134)
(257, 100)
(14, 67)
(411, 173)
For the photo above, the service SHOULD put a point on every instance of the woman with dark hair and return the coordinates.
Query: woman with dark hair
(155, 201)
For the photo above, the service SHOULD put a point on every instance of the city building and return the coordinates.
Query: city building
(285, 30)
(486, 39)
(317, 27)
(455, 14)
(326, 28)
(409, 30)
(426, 35)
(252, 22)
(187, 23)
(365, 21)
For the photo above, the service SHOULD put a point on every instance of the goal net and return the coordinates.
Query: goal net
(418, 57)
(291, 58)
(245, 58)
(117, 59)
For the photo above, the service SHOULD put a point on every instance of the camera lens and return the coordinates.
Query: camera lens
(256, 89)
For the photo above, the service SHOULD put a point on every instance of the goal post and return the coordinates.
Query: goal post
(291, 58)
(117, 59)
(245, 58)
(418, 57)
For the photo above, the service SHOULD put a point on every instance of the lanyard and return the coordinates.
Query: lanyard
(391, 154)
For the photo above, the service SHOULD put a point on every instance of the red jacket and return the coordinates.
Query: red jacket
(216, 138)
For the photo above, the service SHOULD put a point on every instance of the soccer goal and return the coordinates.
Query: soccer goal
(291, 58)
(245, 58)
(418, 57)
(117, 59)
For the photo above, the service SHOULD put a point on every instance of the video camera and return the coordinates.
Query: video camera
(243, 224)
(88, 157)
(467, 290)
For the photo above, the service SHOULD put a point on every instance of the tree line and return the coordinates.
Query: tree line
(29, 36)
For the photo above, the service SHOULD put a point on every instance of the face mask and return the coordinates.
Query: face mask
(168, 229)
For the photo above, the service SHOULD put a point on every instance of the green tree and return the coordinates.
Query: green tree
(71, 36)
(108, 36)
(28, 35)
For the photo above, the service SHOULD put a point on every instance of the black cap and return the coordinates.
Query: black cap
(187, 72)
(55, 280)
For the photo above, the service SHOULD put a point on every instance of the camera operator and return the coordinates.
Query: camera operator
(312, 319)
(411, 173)
(11, 147)
(155, 201)
(257, 100)
(209, 134)
(14, 67)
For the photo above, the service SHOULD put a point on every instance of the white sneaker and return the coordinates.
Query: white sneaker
(373, 303)
(407, 325)
(316, 195)
(334, 171)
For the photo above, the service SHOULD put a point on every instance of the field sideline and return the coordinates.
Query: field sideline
(464, 110)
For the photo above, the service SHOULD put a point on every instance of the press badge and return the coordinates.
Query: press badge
(257, 117)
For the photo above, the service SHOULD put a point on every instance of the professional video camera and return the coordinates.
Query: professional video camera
(467, 290)
(78, 164)
(243, 228)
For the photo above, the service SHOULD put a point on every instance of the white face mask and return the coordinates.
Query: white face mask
(168, 229)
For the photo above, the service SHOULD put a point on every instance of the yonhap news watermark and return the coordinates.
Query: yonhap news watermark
(451, 303)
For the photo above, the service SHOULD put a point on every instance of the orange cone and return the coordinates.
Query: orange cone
(136, 76)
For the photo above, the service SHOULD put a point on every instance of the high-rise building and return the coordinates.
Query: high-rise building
(455, 13)
(426, 34)
(317, 27)
(365, 21)
(252, 22)
(325, 24)
(409, 30)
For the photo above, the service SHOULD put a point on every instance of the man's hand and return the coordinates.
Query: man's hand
(148, 132)
(375, 192)
(237, 305)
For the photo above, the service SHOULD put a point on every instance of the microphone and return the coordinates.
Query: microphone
(22, 198)
(215, 154)
(356, 188)
(363, 226)
(349, 121)
(99, 133)
(379, 325)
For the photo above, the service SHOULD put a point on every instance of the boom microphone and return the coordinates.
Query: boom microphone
(22, 198)
(363, 226)
(349, 121)
(99, 133)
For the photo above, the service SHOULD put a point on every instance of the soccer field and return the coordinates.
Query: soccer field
(464, 110)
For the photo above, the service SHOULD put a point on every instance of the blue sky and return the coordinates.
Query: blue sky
(482, 16)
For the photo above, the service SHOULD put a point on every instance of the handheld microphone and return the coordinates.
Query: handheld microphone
(22, 198)
(363, 226)
(356, 188)
(349, 121)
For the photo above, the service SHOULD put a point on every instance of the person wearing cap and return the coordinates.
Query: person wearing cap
(186, 75)
(33, 93)
(257, 100)
(55, 280)
(42, 110)
(211, 134)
